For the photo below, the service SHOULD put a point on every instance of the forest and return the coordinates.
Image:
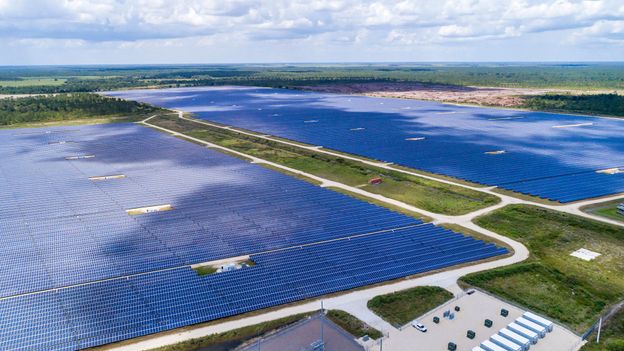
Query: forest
(46, 108)
(603, 76)
(599, 104)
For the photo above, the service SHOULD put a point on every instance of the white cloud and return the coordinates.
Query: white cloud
(604, 31)
(373, 23)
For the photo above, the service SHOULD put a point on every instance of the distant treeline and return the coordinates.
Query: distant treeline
(66, 107)
(600, 104)
(100, 78)
(75, 86)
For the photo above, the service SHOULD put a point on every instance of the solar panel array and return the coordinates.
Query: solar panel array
(78, 271)
(224, 207)
(553, 156)
(104, 312)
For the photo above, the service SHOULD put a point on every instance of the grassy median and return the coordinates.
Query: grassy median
(352, 324)
(606, 209)
(422, 193)
(402, 307)
(552, 282)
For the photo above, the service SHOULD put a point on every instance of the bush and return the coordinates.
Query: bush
(615, 345)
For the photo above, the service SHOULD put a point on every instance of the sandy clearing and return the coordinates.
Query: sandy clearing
(489, 96)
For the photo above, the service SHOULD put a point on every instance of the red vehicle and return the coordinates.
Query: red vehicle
(375, 181)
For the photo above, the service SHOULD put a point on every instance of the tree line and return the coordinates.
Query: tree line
(67, 107)
(600, 104)
(82, 79)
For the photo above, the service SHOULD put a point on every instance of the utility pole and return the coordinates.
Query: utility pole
(599, 327)
(321, 319)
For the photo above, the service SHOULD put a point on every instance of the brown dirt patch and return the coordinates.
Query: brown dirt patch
(489, 96)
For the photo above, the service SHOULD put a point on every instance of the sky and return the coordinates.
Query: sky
(245, 31)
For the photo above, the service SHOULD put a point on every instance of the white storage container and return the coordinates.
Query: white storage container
(539, 320)
(487, 345)
(504, 343)
(517, 328)
(540, 330)
(515, 337)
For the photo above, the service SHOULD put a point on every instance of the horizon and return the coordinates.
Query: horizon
(315, 63)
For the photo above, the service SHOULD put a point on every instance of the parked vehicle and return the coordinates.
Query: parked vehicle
(419, 326)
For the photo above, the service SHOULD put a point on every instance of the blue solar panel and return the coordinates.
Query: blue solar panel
(552, 156)
(78, 271)
(118, 309)
(223, 207)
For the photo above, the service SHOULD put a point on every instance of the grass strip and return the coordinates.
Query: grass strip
(402, 307)
(567, 289)
(606, 209)
(352, 324)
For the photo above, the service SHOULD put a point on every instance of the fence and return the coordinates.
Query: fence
(603, 318)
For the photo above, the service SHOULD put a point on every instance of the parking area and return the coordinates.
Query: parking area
(474, 310)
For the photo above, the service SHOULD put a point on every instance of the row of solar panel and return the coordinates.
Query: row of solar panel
(549, 155)
(104, 312)
(59, 228)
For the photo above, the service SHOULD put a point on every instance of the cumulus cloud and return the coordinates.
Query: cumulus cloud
(355, 22)
(147, 19)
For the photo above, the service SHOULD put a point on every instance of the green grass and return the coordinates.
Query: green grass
(205, 270)
(353, 325)
(33, 81)
(422, 193)
(402, 307)
(76, 122)
(610, 212)
(552, 282)
(611, 337)
(606, 209)
(233, 338)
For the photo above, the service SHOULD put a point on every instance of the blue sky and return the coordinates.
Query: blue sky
(232, 31)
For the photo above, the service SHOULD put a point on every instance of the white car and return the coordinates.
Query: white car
(419, 326)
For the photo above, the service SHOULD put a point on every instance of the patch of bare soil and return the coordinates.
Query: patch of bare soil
(489, 96)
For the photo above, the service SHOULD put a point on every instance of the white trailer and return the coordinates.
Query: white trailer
(487, 345)
(540, 330)
(539, 320)
(517, 328)
(504, 343)
(515, 337)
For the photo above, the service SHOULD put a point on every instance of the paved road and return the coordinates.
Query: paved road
(355, 302)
